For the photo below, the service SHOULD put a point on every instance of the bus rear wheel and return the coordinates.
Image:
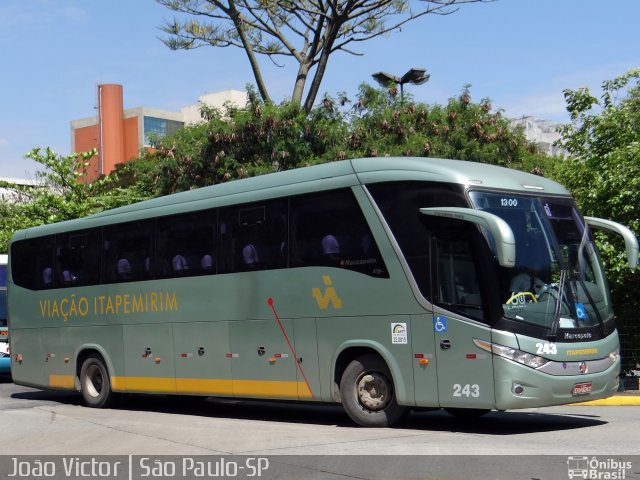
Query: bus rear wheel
(367, 393)
(95, 384)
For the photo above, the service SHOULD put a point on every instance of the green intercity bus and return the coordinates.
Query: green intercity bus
(383, 284)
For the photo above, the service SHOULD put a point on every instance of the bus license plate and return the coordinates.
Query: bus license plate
(582, 388)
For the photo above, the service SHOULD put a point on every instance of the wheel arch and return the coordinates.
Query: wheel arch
(353, 349)
(84, 352)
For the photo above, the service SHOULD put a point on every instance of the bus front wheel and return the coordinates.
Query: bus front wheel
(95, 384)
(367, 393)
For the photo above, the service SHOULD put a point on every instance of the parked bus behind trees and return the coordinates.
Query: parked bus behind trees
(384, 284)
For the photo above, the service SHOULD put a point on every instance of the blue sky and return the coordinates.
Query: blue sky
(519, 53)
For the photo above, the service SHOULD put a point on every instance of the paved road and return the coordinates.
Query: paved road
(41, 423)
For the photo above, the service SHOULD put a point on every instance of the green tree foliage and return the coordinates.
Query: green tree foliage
(238, 143)
(603, 172)
(58, 194)
(307, 31)
(388, 125)
(263, 138)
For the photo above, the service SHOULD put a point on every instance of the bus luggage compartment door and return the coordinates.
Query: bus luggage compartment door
(262, 365)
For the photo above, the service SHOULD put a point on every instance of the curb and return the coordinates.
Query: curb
(616, 400)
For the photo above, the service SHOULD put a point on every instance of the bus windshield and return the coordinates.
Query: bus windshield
(558, 280)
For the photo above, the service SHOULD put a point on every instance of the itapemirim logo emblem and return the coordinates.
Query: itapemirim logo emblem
(328, 297)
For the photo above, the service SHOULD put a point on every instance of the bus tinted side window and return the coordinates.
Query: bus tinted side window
(456, 285)
(186, 244)
(32, 263)
(253, 236)
(400, 203)
(328, 228)
(128, 252)
(77, 258)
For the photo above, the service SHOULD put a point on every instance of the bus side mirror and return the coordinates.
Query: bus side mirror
(630, 240)
(497, 228)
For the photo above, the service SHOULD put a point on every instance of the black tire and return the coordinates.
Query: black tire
(367, 393)
(95, 383)
(467, 413)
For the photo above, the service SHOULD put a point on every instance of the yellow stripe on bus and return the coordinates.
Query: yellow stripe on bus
(241, 388)
(267, 389)
(144, 384)
(62, 381)
(204, 386)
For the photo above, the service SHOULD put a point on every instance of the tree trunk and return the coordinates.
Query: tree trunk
(301, 80)
(255, 67)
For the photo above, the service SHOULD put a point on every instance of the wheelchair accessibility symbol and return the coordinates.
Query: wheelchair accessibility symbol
(440, 323)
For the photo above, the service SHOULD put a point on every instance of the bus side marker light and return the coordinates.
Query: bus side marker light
(272, 360)
(66, 359)
(471, 356)
(421, 359)
(157, 359)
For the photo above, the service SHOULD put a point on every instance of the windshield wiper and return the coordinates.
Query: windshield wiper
(581, 270)
(593, 305)
(558, 307)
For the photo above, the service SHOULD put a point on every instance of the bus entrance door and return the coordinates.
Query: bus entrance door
(425, 368)
(465, 372)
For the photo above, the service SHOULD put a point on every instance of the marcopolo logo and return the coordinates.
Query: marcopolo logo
(595, 469)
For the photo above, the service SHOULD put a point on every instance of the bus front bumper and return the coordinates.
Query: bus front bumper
(518, 386)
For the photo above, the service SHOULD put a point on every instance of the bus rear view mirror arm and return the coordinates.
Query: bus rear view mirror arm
(630, 240)
(497, 228)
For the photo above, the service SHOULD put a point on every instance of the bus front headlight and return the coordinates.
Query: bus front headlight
(615, 355)
(524, 358)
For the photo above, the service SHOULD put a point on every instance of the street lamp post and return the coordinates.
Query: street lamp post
(417, 76)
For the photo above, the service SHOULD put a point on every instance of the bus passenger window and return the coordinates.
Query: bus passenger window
(127, 252)
(187, 244)
(77, 259)
(32, 263)
(254, 236)
(329, 229)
